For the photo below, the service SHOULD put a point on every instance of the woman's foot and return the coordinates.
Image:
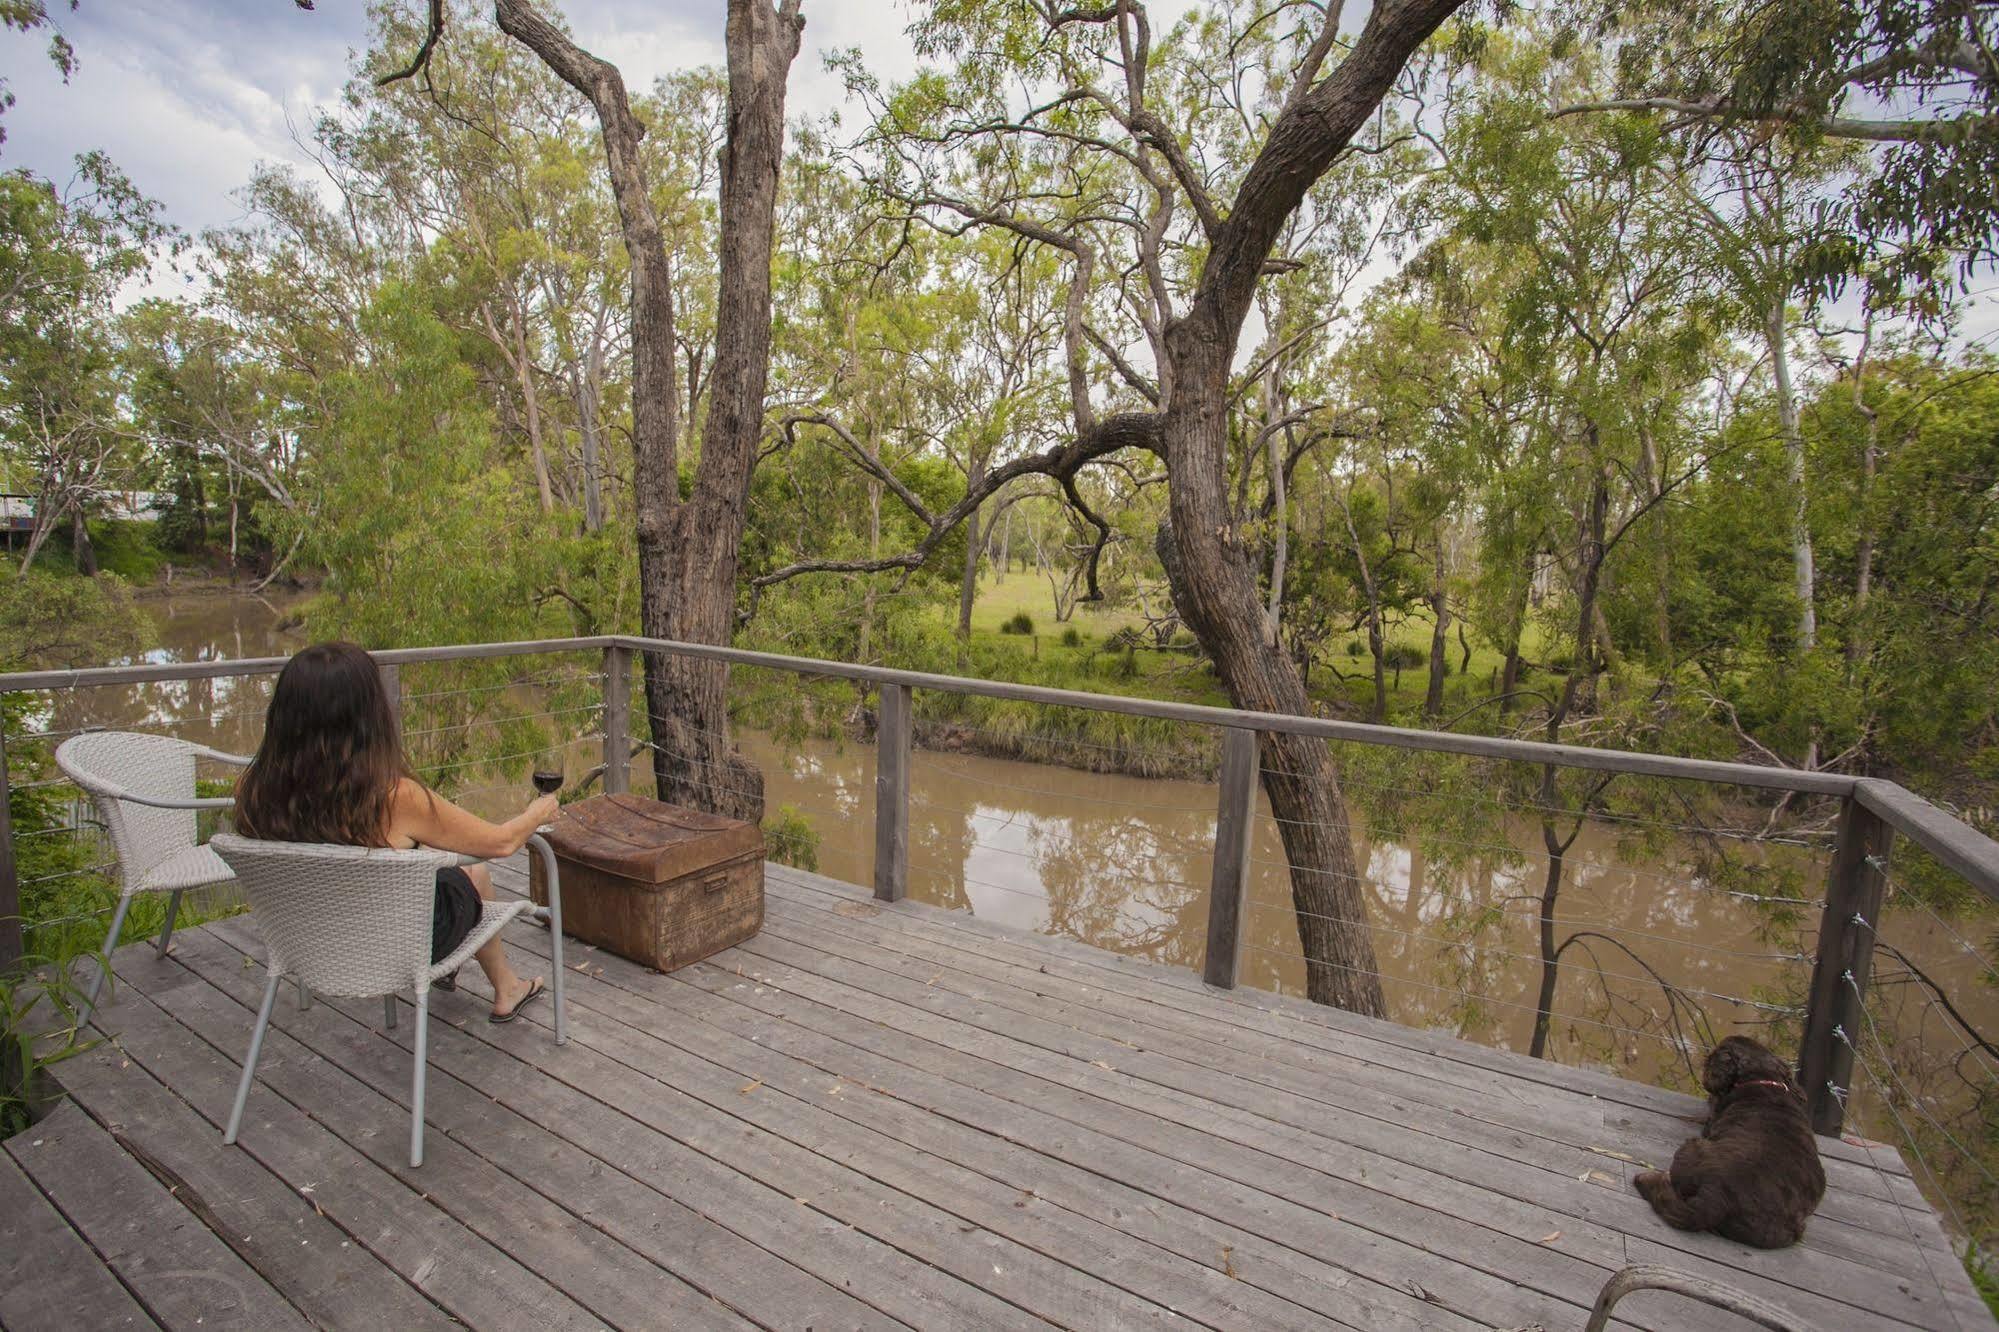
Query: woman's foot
(507, 1006)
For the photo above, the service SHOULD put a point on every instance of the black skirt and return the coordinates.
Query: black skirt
(453, 912)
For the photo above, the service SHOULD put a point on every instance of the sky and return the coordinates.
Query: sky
(186, 96)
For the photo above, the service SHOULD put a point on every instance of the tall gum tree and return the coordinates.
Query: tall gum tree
(688, 548)
(1190, 295)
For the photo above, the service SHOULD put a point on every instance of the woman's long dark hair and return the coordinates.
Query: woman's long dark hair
(331, 757)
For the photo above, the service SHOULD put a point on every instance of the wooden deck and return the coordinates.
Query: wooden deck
(877, 1117)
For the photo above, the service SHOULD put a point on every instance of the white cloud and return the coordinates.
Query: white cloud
(187, 96)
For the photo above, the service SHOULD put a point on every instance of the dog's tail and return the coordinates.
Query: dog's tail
(1703, 1211)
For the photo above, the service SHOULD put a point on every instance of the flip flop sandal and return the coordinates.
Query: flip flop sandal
(448, 984)
(536, 989)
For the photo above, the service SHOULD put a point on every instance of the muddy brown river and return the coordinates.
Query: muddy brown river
(1123, 863)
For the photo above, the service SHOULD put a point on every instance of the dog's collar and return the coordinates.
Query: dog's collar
(1762, 1082)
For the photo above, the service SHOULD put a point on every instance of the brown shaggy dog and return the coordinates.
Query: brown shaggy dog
(1753, 1175)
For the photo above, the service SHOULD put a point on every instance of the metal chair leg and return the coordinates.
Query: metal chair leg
(250, 1060)
(422, 1057)
(104, 960)
(167, 930)
(552, 913)
(389, 1011)
(304, 996)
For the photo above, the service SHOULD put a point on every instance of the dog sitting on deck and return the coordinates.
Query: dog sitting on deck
(1753, 1175)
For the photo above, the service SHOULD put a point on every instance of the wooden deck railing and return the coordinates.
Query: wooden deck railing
(1872, 812)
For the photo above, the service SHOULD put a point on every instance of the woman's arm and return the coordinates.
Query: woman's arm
(430, 820)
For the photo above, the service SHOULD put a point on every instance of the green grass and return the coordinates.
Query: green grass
(997, 602)
(1174, 675)
(123, 547)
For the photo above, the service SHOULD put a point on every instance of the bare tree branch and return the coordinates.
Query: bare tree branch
(1123, 430)
(1146, 388)
(421, 61)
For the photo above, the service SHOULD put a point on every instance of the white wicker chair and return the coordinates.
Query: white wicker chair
(143, 788)
(355, 922)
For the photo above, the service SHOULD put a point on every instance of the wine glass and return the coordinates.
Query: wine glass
(547, 775)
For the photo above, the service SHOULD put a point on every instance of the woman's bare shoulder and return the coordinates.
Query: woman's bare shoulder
(412, 805)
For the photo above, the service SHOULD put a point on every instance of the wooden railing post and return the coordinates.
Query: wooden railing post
(392, 685)
(892, 742)
(617, 720)
(10, 883)
(1230, 880)
(1835, 1014)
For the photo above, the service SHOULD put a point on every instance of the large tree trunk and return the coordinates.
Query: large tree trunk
(79, 538)
(1212, 575)
(688, 698)
(688, 550)
(1213, 578)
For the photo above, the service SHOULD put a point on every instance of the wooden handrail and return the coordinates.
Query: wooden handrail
(1873, 810)
(1442, 742)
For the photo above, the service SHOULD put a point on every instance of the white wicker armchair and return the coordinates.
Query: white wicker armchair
(355, 922)
(143, 788)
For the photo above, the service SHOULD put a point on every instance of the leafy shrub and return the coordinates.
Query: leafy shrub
(1356, 648)
(32, 1041)
(1020, 623)
(1402, 657)
(1072, 637)
(790, 839)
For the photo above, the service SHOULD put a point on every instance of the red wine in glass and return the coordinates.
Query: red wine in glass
(547, 780)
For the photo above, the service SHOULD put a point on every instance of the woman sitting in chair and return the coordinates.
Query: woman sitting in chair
(331, 768)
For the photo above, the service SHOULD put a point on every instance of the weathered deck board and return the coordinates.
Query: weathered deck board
(279, 1232)
(157, 1248)
(49, 1278)
(894, 1116)
(417, 1240)
(1429, 1176)
(1376, 1110)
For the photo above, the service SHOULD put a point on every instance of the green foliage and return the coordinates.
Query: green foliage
(38, 1030)
(790, 838)
(1072, 637)
(1020, 623)
(1982, 1280)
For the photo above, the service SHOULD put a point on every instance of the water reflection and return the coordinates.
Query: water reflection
(226, 712)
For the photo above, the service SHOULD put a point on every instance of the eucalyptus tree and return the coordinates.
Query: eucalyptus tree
(688, 547)
(205, 410)
(688, 550)
(64, 254)
(1915, 80)
(1168, 171)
